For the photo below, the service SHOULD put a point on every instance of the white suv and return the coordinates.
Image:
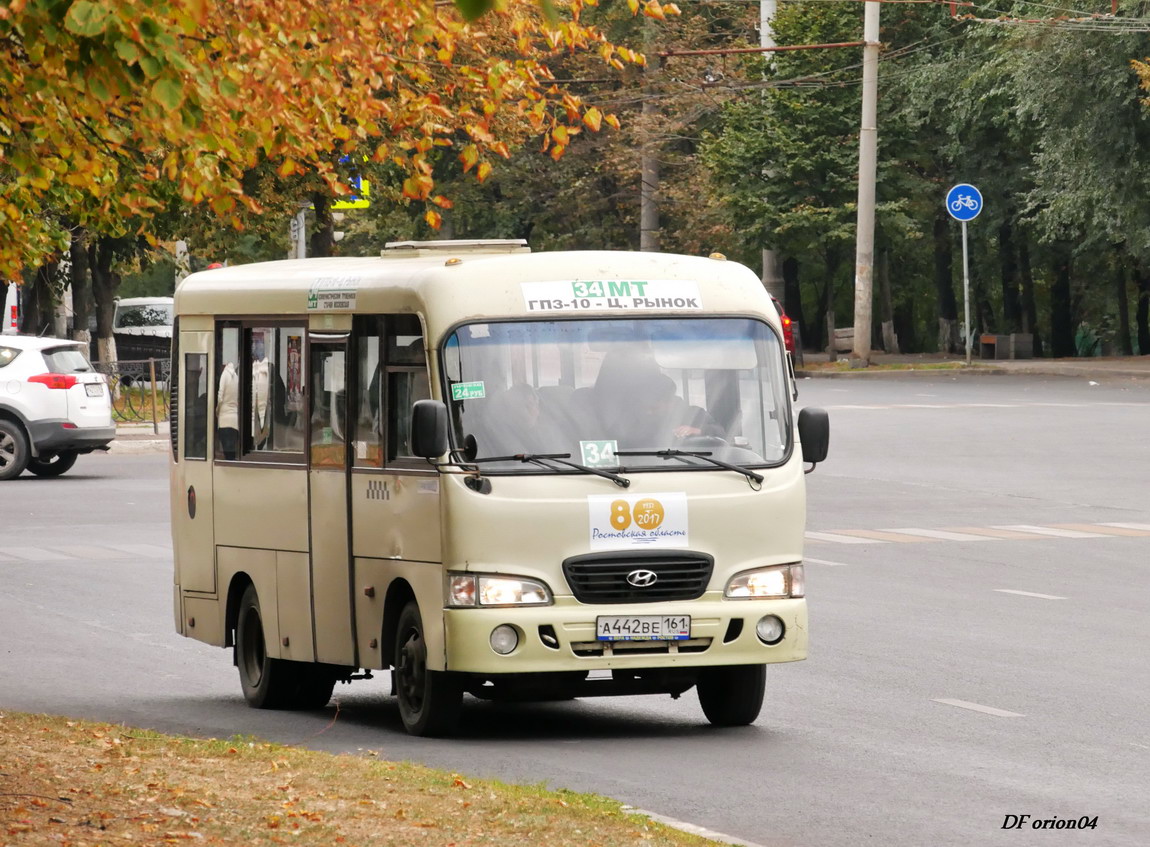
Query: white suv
(53, 406)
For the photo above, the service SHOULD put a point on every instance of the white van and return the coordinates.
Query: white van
(493, 472)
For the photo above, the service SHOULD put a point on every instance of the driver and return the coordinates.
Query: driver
(658, 412)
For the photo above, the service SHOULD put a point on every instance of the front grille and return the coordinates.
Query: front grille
(601, 578)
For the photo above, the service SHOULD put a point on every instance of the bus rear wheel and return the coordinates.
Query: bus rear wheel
(429, 701)
(274, 683)
(732, 695)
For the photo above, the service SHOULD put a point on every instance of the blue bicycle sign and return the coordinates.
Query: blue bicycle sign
(964, 202)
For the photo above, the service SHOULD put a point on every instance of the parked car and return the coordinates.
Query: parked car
(53, 406)
(788, 328)
(142, 327)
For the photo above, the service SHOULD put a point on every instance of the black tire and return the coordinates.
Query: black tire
(274, 683)
(429, 701)
(14, 453)
(53, 464)
(733, 695)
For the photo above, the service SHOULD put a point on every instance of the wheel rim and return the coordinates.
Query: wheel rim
(7, 450)
(252, 651)
(411, 671)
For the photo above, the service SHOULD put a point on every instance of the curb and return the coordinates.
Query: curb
(974, 370)
(138, 445)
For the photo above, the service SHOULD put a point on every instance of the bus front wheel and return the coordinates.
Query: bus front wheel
(429, 701)
(274, 683)
(732, 695)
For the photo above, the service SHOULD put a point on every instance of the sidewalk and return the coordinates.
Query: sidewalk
(1096, 368)
(140, 437)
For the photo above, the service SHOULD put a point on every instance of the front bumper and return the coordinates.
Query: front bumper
(51, 436)
(714, 639)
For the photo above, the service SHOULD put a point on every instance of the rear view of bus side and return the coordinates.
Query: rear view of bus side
(494, 472)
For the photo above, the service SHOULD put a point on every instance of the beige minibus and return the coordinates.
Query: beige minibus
(513, 475)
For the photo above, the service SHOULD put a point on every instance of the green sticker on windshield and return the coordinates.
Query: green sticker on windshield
(599, 454)
(468, 391)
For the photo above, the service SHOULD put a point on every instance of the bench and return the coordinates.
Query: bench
(1016, 345)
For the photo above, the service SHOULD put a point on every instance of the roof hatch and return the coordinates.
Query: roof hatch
(408, 249)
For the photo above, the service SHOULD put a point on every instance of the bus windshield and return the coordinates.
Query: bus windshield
(588, 388)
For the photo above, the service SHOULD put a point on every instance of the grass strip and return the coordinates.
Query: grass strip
(82, 784)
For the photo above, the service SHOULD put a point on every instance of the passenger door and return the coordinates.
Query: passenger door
(328, 471)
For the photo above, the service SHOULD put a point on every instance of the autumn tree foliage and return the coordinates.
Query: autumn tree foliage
(114, 111)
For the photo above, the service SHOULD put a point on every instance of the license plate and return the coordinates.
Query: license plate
(94, 389)
(643, 627)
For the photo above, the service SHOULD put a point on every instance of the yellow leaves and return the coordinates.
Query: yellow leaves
(418, 187)
(633, 5)
(611, 120)
(434, 220)
(469, 156)
(483, 171)
(287, 168)
(592, 119)
(442, 202)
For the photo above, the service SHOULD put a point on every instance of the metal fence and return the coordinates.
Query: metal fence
(139, 389)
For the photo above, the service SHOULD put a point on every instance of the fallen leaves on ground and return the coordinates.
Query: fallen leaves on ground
(79, 784)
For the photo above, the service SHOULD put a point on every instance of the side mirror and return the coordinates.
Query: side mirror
(428, 429)
(815, 434)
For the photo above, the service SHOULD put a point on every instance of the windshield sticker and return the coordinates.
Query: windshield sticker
(333, 294)
(468, 391)
(638, 521)
(599, 454)
(610, 294)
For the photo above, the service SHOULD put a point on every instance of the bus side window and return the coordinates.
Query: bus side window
(407, 381)
(276, 420)
(228, 393)
(195, 406)
(368, 439)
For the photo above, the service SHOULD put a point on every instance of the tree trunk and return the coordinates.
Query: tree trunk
(1061, 319)
(323, 238)
(1008, 263)
(1124, 343)
(81, 290)
(792, 296)
(944, 287)
(1142, 312)
(889, 339)
(1029, 307)
(105, 282)
(39, 306)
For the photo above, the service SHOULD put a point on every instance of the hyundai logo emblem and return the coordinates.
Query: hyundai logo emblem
(642, 578)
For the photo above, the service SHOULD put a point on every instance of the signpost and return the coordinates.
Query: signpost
(964, 202)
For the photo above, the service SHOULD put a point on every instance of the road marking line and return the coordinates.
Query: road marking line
(839, 539)
(1029, 594)
(34, 554)
(994, 533)
(942, 535)
(91, 551)
(825, 562)
(1145, 526)
(975, 707)
(147, 550)
(1105, 529)
(1046, 530)
(691, 828)
(883, 535)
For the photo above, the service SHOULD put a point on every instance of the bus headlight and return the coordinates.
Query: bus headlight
(491, 590)
(773, 583)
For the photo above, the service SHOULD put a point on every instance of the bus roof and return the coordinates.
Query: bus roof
(471, 283)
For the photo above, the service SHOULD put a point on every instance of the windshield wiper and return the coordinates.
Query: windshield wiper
(559, 459)
(707, 457)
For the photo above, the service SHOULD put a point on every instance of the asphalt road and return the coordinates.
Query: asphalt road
(959, 671)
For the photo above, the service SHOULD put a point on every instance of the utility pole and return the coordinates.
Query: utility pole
(649, 158)
(772, 281)
(868, 160)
